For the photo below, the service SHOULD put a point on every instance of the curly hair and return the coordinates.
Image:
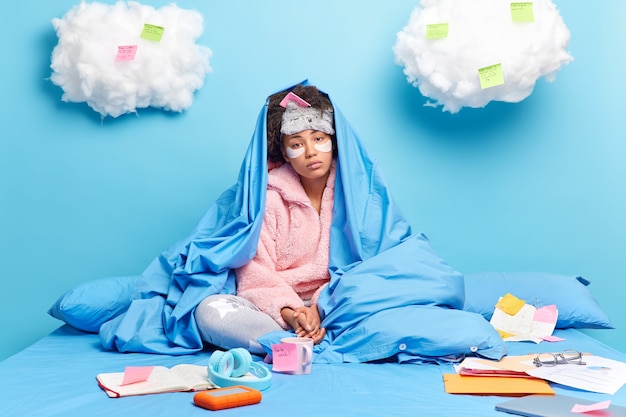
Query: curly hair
(275, 111)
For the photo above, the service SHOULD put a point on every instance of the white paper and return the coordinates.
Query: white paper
(597, 375)
(522, 325)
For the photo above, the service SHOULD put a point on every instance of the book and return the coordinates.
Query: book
(495, 385)
(154, 380)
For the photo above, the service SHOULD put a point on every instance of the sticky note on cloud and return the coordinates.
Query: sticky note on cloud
(437, 31)
(522, 12)
(126, 53)
(152, 32)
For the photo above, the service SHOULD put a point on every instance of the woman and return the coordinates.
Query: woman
(317, 245)
(279, 287)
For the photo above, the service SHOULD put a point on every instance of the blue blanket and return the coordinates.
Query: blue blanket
(377, 265)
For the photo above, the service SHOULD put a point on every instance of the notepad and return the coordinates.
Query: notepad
(554, 406)
(156, 379)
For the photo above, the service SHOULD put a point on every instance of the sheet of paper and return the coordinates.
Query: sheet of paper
(598, 374)
(517, 321)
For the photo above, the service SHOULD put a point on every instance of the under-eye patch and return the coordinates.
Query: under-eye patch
(324, 147)
(294, 153)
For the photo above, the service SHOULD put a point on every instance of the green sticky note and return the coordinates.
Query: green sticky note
(522, 12)
(437, 31)
(152, 32)
(491, 76)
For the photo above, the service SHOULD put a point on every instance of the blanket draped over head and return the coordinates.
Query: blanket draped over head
(377, 263)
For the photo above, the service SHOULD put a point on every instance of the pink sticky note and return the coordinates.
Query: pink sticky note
(126, 53)
(547, 314)
(295, 98)
(579, 408)
(134, 374)
(553, 339)
(285, 357)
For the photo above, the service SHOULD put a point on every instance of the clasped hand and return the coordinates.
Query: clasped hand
(305, 321)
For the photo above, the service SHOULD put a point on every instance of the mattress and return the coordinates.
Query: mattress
(56, 377)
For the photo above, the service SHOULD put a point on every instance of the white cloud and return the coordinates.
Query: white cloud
(164, 74)
(481, 33)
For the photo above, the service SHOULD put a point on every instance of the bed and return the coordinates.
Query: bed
(395, 313)
(56, 375)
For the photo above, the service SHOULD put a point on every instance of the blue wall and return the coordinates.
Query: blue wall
(539, 185)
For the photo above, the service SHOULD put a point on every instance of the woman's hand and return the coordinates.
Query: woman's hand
(305, 321)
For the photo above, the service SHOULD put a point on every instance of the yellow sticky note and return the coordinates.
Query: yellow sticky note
(510, 304)
(522, 12)
(437, 31)
(504, 334)
(152, 32)
(491, 76)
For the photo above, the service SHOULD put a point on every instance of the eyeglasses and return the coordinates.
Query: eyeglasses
(568, 356)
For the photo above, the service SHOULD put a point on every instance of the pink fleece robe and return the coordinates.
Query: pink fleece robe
(291, 262)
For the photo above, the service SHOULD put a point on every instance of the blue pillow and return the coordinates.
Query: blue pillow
(92, 303)
(426, 332)
(577, 307)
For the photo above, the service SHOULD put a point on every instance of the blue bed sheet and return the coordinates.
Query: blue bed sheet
(56, 377)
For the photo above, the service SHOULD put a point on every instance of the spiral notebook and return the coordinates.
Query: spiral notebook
(554, 406)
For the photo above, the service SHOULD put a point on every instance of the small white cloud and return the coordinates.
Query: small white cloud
(89, 64)
(481, 34)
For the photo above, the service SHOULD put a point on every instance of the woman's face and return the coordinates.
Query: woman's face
(310, 153)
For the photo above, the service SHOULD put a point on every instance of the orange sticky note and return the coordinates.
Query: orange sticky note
(285, 357)
(510, 304)
(504, 334)
(135, 374)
